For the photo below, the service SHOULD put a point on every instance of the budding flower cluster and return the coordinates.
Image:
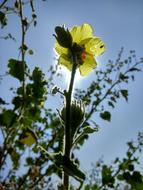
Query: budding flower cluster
(77, 113)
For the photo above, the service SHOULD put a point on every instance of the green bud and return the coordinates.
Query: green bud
(55, 89)
(63, 37)
(77, 113)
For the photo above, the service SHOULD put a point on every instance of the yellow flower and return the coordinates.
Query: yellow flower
(85, 46)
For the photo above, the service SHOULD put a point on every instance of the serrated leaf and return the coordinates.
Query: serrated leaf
(16, 69)
(106, 115)
(64, 163)
(124, 93)
(69, 167)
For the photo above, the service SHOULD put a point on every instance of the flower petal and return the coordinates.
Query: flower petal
(60, 50)
(82, 32)
(88, 65)
(94, 46)
(65, 61)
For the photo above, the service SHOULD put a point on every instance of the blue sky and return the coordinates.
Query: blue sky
(119, 23)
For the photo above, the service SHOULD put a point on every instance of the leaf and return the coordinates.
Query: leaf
(134, 69)
(68, 166)
(15, 157)
(123, 77)
(88, 130)
(125, 94)
(106, 115)
(85, 131)
(111, 104)
(7, 117)
(64, 163)
(107, 178)
(16, 69)
(61, 187)
(3, 19)
(137, 177)
(2, 102)
(28, 137)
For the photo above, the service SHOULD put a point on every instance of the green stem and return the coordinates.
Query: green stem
(67, 144)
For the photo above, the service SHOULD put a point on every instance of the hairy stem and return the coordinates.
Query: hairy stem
(67, 144)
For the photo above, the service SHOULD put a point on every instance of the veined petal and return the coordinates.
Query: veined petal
(60, 50)
(63, 60)
(94, 46)
(88, 65)
(82, 32)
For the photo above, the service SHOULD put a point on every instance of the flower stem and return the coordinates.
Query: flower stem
(68, 143)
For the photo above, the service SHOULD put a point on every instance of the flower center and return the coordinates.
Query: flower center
(83, 55)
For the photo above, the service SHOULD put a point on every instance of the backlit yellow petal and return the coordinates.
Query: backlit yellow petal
(63, 60)
(82, 32)
(95, 46)
(88, 65)
(60, 50)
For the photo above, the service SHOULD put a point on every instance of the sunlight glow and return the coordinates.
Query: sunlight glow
(67, 76)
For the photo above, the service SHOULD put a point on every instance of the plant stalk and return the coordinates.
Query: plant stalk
(67, 142)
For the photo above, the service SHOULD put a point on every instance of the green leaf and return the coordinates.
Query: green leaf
(64, 163)
(15, 159)
(68, 166)
(111, 104)
(88, 130)
(137, 177)
(106, 115)
(85, 131)
(30, 161)
(107, 178)
(123, 77)
(131, 167)
(16, 69)
(61, 187)
(134, 69)
(3, 20)
(28, 137)
(125, 94)
(7, 117)
(2, 102)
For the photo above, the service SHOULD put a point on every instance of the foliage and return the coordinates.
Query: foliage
(28, 124)
(122, 174)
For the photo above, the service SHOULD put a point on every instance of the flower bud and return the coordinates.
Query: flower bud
(77, 113)
(63, 37)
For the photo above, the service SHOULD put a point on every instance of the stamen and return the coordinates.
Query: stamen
(83, 55)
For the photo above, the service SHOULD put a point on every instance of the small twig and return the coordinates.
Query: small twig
(3, 3)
